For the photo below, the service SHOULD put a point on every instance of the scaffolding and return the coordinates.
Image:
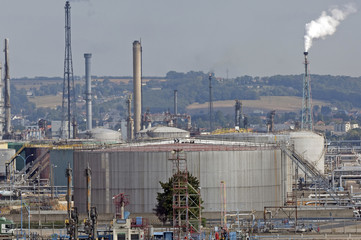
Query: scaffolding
(186, 199)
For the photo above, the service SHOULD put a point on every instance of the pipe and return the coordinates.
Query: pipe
(88, 174)
(348, 176)
(69, 177)
(130, 123)
(88, 91)
(7, 90)
(137, 85)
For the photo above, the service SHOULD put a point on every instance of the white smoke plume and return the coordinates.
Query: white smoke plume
(326, 25)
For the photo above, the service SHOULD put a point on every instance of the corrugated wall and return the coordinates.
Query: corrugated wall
(254, 179)
(60, 159)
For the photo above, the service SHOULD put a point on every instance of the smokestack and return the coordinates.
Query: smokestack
(7, 90)
(307, 122)
(175, 102)
(210, 104)
(88, 91)
(137, 85)
(1, 104)
(306, 63)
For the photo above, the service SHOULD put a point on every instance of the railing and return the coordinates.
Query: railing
(311, 172)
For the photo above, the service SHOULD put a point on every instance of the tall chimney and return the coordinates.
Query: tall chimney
(88, 91)
(175, 102)
(7, 90)
(2, 120)
(210, 104)
(137, 85)
(306, 64)
(307, 122)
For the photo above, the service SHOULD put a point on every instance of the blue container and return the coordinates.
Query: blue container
(168, 235)
(138, 220)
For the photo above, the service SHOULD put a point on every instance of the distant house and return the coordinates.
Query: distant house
(345, 126)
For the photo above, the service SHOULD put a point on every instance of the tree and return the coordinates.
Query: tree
(164, 208)
(353, 134)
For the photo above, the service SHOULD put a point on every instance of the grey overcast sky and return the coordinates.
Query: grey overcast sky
(247, 37)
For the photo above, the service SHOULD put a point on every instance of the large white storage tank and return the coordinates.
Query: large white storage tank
(310, 146)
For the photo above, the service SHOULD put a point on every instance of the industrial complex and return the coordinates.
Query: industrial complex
(98, 184)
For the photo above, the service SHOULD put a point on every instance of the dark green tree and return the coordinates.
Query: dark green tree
(353, 134)
(164, 209)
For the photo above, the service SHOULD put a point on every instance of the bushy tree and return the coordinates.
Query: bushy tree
(164, 208)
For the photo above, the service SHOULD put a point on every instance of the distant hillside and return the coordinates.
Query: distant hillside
(265, 103)
(193, 87)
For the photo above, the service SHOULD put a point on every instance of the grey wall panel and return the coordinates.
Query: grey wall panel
(254, 179)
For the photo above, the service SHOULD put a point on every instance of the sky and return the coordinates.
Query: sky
(228, 37)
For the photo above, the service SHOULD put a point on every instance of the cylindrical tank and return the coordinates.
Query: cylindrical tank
(311, 147)
(167, 132)
(137, 85)
(88, 91)
(255, 178)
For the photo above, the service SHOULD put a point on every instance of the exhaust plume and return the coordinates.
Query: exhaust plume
(326, 25)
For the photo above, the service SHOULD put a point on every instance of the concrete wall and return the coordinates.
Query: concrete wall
(254, 178)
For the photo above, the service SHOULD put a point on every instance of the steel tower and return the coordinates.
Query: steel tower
(306, 100)
(68, 103)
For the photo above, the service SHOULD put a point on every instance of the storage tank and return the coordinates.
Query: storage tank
(102, 135)
(167, 132)
(5, 156)
(255, 176)
(311, 146)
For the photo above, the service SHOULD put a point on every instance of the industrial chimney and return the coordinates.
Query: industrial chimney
(137, 85)
(306, 64)
(210, 104)
(2, 120)
(7, 91)
(175, 102)
(307, 123)
(88, 91)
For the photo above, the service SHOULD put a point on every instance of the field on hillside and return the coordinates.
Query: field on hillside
(266, 103)
(50, 101)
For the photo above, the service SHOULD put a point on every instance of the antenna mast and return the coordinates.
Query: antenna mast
(68, 103)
